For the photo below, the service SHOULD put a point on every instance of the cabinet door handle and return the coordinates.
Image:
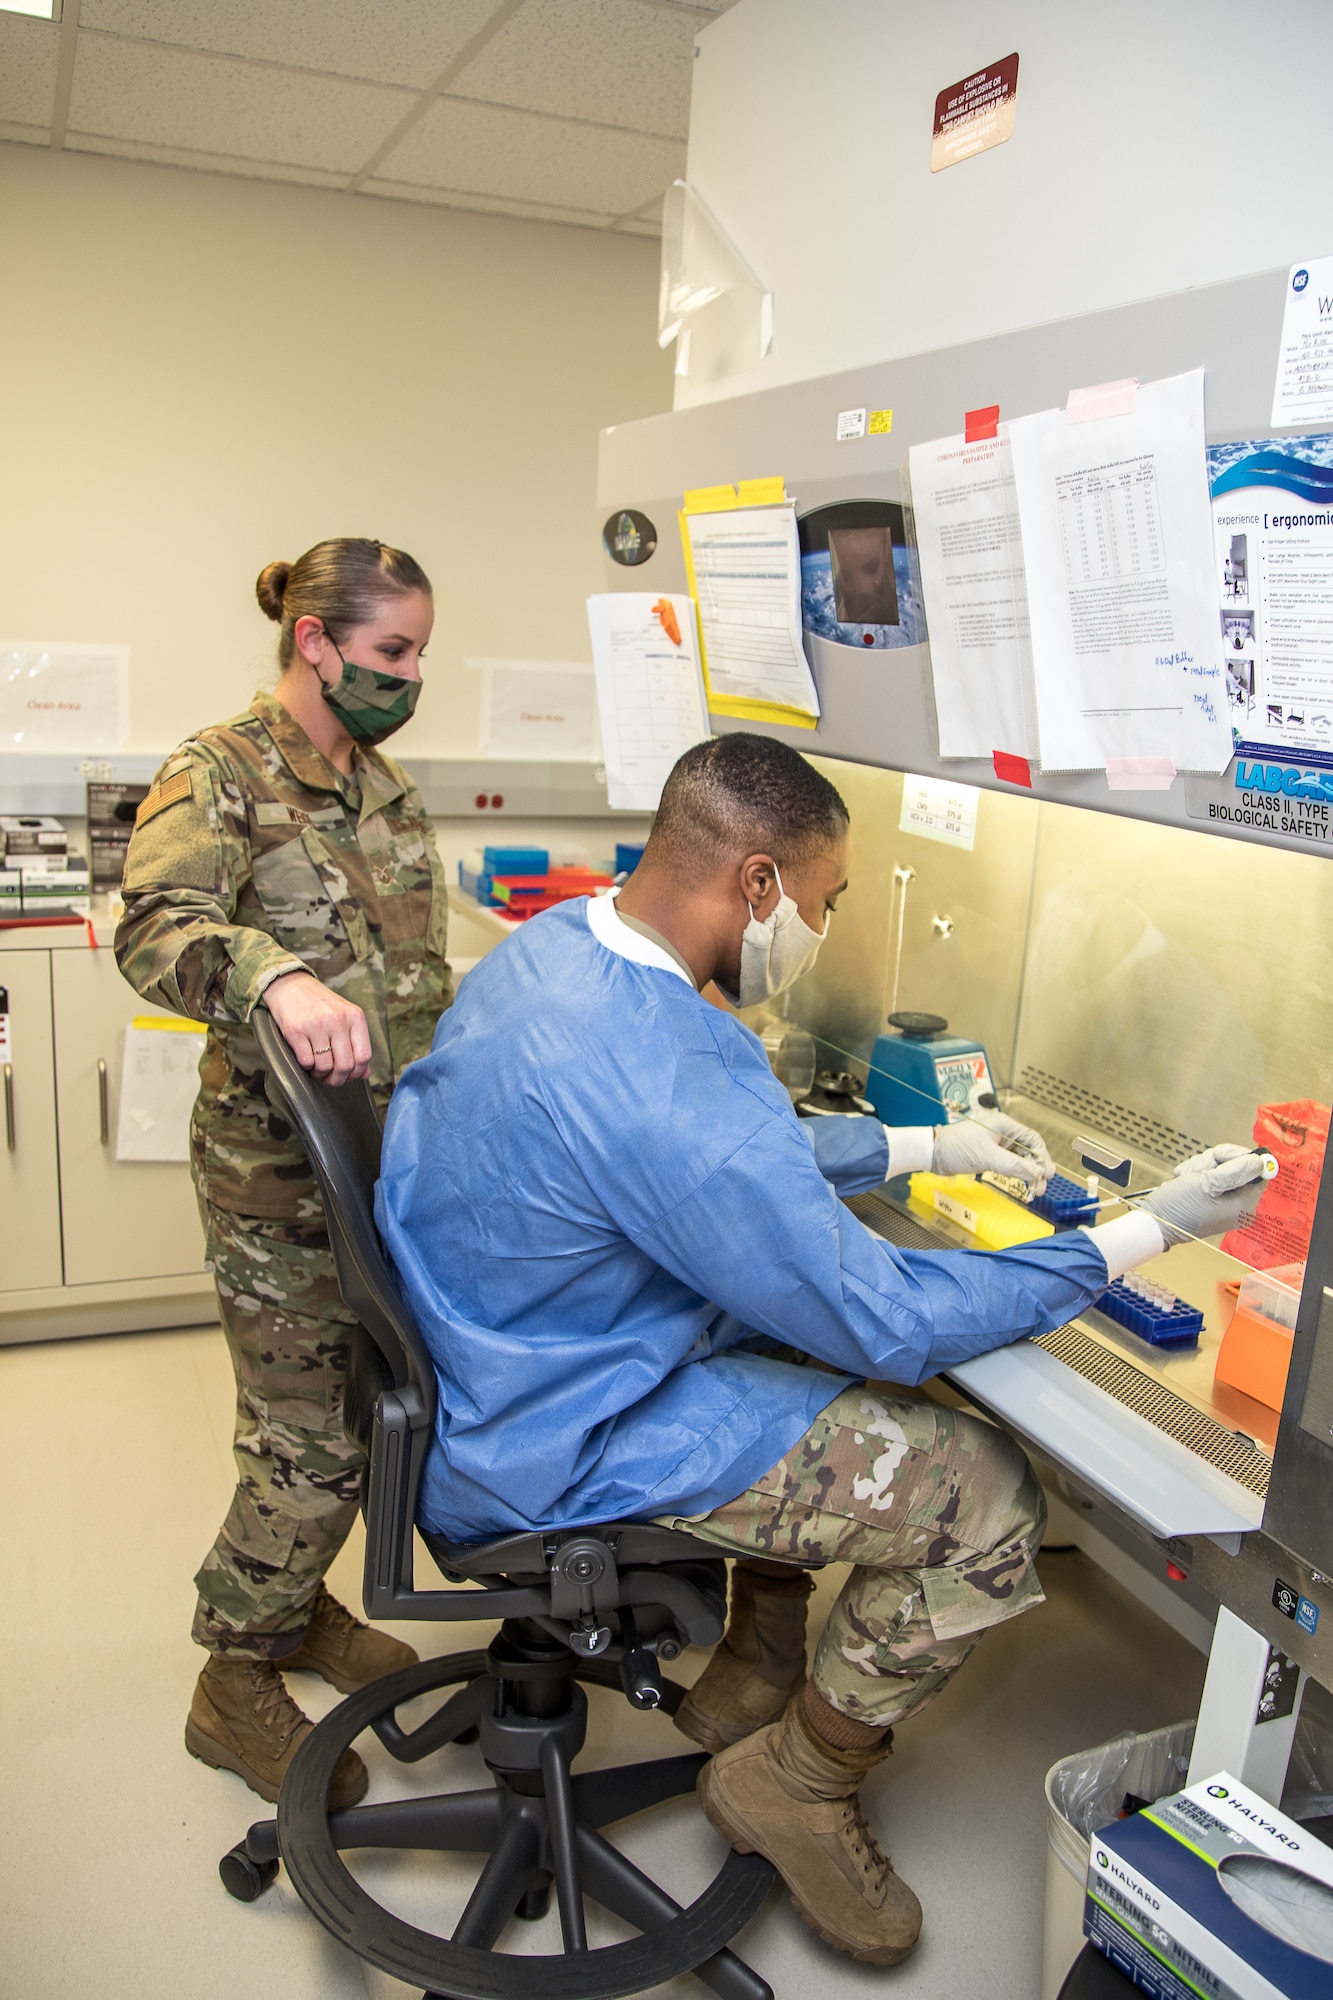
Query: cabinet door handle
(102, 1111)
(9, 1108)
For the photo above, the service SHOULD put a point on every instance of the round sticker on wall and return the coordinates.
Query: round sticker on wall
(629, 537)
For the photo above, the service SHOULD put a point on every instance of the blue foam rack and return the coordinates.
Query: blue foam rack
(1180, 1327)
(1064, 1202)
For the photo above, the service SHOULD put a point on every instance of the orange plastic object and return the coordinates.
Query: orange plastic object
(1254, 1357)
(525, 895)
(665, 613)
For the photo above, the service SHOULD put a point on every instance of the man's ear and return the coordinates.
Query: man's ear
(759, 883)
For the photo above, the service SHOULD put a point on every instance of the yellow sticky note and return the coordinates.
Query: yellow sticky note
(172, 1026)
(879, 422)
(709, 499)
(762, 492)
(770, 492)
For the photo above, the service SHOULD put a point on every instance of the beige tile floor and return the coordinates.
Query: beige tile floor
(114, 1471)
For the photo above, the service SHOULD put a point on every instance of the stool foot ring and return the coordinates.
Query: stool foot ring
(528, 1835)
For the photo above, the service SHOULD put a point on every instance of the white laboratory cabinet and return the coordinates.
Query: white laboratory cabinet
(88, 1243)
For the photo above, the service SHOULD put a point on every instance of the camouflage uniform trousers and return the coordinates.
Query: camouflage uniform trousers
(941, 1516)
(299, 1477)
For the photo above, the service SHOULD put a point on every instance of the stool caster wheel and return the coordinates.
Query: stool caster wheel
(243, 1878)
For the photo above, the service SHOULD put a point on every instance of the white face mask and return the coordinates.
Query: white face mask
(775, 952)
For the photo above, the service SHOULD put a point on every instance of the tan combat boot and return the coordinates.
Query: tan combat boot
(760, 1661)
(787, 1794)
(242, 1719)
(343, 1651)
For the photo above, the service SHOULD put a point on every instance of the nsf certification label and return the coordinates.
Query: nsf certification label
(1303, 391)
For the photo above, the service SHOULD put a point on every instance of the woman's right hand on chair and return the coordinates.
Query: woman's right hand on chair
(326, 1033)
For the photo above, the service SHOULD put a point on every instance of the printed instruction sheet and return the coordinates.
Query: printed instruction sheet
(159, 1081)
(744, 569)
(1117, 545)
(971, 555)
(1303, 387)
(649, 692)
(1273, 553)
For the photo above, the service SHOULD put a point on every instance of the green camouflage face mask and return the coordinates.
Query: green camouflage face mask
(369, 705)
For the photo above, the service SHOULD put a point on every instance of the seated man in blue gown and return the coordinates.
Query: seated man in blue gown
(609, 1220)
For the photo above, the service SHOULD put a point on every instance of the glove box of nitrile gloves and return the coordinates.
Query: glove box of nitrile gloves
(1213, 1891)
(60, 886)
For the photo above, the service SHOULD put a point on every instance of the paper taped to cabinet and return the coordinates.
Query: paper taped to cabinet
(159, 1081)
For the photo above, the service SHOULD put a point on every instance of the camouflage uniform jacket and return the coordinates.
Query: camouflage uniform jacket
(251, 857)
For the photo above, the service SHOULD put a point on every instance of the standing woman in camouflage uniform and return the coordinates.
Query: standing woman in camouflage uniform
(282, 856)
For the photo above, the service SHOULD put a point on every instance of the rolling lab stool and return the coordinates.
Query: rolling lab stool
(599, 1606)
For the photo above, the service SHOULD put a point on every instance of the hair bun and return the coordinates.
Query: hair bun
(271, 587)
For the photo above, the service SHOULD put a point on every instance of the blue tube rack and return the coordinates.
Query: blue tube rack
(1064, 1202)
(1180, 1327)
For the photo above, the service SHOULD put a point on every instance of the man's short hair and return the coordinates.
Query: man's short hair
(744, 794)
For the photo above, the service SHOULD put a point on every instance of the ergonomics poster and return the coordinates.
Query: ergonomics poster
(1273, 554)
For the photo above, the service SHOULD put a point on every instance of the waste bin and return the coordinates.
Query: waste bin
(1083, 1792)
(1087, 1790)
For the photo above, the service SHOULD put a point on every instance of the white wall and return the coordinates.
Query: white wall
(199, 375)
(1158, 144)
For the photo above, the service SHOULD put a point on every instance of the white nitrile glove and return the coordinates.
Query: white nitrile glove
(992, 1143)
(1205, 1201)
(1216, 1156)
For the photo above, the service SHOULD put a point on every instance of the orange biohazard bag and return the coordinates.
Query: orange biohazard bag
(1279, 1233)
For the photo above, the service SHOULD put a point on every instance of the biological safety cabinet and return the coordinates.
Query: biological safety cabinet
(1147, 963)
(88, 1243)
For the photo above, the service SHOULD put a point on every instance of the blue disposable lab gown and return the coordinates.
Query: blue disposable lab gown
(594, 1190)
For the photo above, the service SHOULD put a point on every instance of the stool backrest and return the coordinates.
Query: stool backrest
(339, 1130)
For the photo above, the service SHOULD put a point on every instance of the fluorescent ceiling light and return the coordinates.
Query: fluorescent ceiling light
(45, 10)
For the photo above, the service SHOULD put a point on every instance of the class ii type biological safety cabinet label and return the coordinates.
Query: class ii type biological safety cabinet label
(1213, 1892)
(1279, 798)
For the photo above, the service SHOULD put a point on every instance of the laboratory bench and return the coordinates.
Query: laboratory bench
(88, 1243)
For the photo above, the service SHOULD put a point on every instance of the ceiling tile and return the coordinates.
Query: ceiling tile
(205, 163)
(208, 104)
(28, 51)
(485, 204)
(390, 41)
(614, 62)
(25, 135)
(478, 149)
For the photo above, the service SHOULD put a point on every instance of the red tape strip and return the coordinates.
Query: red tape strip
(978, 424)
(1014, 770)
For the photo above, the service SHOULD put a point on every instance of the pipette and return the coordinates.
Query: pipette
(1267, 1172)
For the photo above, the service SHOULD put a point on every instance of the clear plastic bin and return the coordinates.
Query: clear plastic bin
(1083, 1792)
(1086, 1790)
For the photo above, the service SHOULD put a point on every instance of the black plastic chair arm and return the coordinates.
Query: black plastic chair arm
(398, 1451)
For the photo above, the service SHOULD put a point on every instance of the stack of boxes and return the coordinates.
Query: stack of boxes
(111, 810)
(523, 880)
(38, 874)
